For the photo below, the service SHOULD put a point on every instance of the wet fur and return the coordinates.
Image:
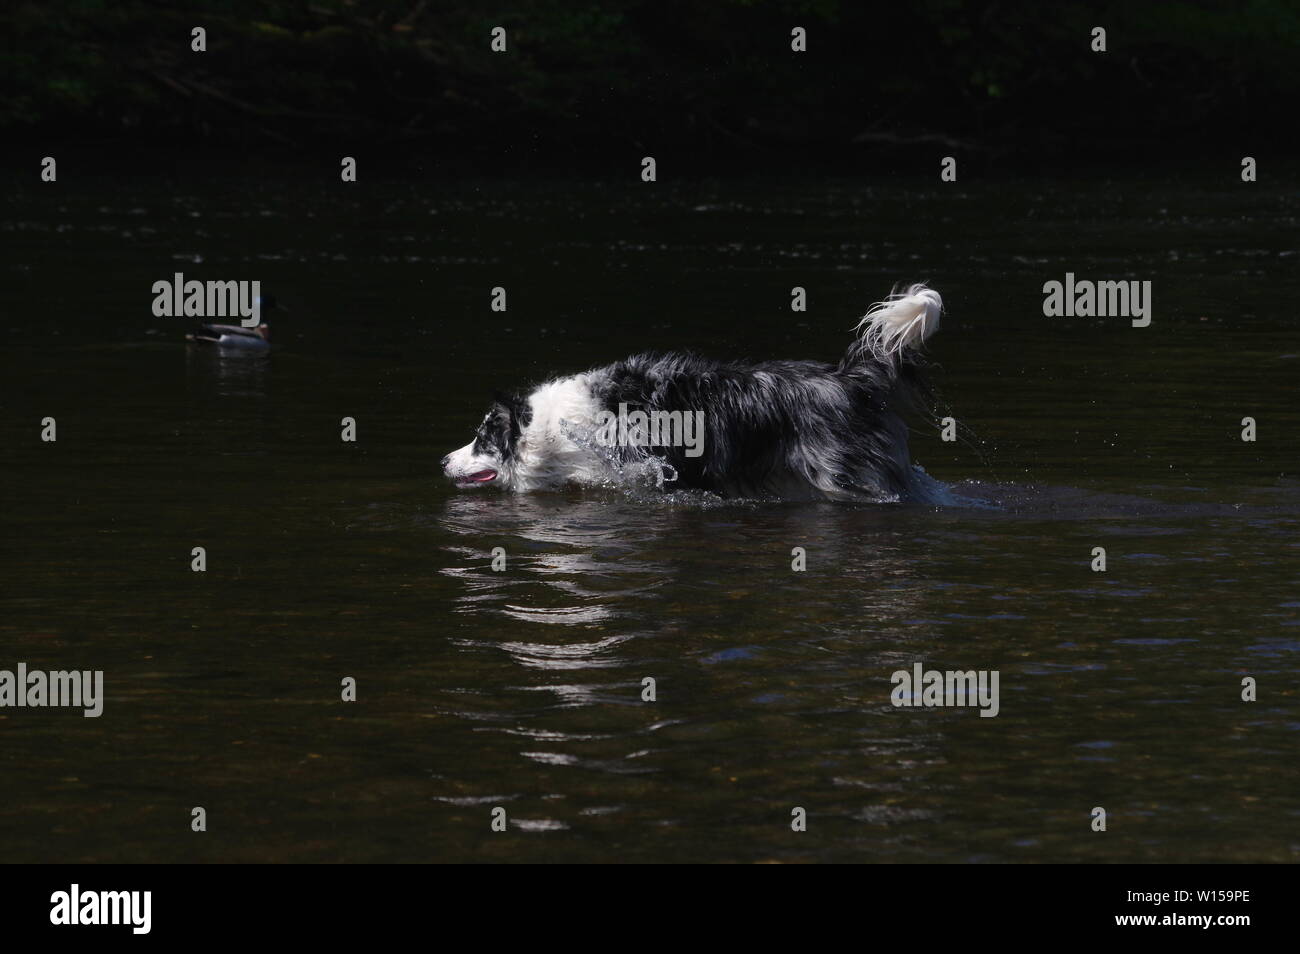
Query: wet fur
(795, 430)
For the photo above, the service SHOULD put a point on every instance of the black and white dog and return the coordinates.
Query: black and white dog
(793, 430)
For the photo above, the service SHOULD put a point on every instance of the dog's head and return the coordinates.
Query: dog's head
(488, 458)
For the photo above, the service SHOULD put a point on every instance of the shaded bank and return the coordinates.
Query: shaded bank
(579, 84)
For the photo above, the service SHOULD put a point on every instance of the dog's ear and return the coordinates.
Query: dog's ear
(513, 407)
(501, 412)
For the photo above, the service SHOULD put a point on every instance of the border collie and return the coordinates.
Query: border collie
(792, 430)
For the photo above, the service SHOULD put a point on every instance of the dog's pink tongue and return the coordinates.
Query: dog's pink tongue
(483, 476)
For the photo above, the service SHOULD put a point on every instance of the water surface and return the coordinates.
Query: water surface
(523, 689)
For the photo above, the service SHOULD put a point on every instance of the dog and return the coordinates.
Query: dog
(788, 430)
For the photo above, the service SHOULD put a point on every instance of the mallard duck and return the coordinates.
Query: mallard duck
(237, 336)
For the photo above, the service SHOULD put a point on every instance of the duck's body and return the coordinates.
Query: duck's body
(233, 336)
(237, 337)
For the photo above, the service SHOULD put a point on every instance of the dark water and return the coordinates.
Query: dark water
(522, 689)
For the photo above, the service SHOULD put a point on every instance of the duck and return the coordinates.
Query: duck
(237, 336)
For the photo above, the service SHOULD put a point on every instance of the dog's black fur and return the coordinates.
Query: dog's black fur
(786, 429)
(774, 426)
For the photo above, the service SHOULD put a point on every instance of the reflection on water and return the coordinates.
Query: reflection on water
(224, 373)
(600, 593)
(526, 688)
(610, 558)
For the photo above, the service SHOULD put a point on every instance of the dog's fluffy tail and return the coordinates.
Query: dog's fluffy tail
(902, 321)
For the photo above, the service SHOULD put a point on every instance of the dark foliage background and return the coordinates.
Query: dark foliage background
(583, 80)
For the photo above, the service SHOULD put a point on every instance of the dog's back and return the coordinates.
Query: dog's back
(791, 429)
(799, 430)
